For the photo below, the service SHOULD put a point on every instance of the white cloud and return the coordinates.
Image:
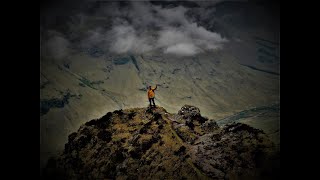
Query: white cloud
(126, 39)
(183, 49)
(149, 27)
(171, 37)
(142, 27)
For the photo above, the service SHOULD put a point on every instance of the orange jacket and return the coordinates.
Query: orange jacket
(151, 92)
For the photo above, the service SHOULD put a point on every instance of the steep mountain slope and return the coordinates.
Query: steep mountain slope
(253, 30)
(84, 87)
(144, 143)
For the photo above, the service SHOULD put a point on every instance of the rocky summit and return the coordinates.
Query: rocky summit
(150, 143)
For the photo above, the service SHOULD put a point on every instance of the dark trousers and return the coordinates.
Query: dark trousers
(152, 99)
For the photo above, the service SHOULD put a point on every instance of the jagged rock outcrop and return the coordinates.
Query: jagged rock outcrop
(237, 150)
(191, 114)
(144, 143)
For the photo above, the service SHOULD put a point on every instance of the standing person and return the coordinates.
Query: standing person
(151, 95)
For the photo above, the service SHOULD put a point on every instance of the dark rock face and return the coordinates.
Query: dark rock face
(101, 123)
(105, 135)
(191, 114)
(210, 125)
(237, 149)
(186, 134)
(145, 143)
(181, 150)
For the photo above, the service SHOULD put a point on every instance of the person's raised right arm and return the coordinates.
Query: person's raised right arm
(155, 87)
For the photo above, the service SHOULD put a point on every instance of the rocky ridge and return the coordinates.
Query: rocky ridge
(150, 143)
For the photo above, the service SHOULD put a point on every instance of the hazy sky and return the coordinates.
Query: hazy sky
(138, 27)
(131, 27)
